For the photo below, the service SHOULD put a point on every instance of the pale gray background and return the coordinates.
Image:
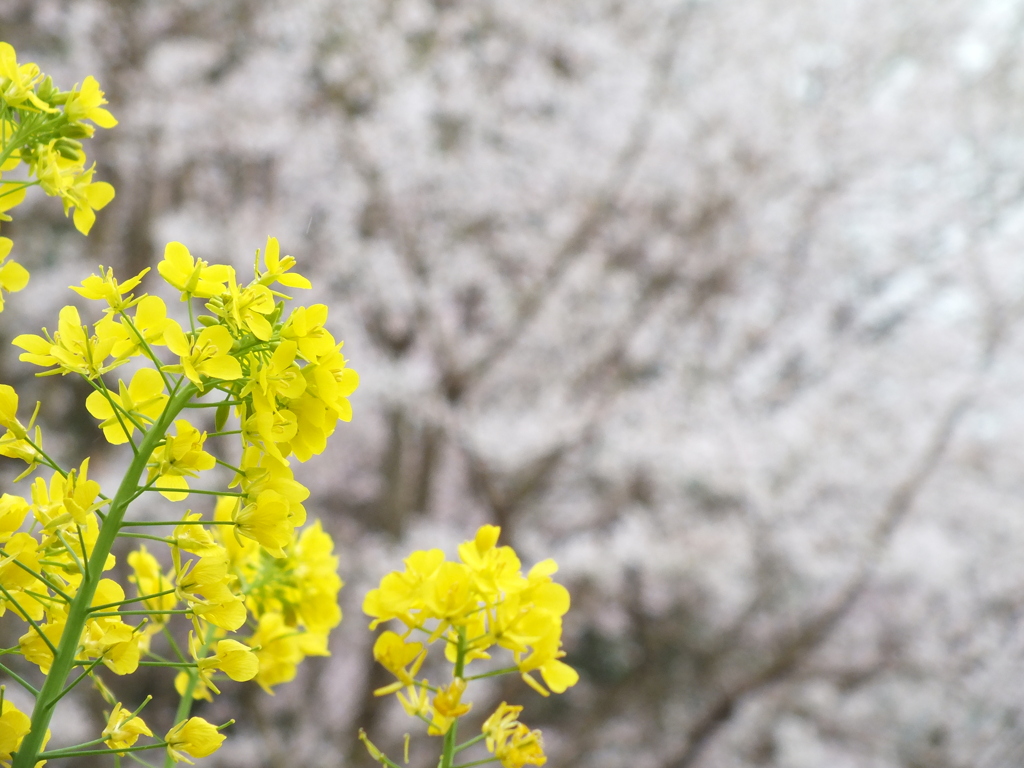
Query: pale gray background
(718, 303)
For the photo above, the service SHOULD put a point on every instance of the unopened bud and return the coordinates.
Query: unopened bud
(69, 148)
(76, 131)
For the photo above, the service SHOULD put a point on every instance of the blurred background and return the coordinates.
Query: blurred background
(716, 302)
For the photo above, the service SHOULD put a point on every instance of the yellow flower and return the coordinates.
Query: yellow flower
(181, 456)
(332, 382)
(267, 520)
(205, 355)
(123, 729)
(13, 510)
(86, 104)
(485, 599)
(317, 578)
(36, 650)
(447, 707)
(401, 595)
(278, 651)
(13, 276)
(395, 655)
(206, 586)
(276, 267)
(17, 82)
(150, 322)
(305, 326)
(72, 349)
(104, 286)
(244, 309)
(265, 472)
(195, 538)
(55, 172)
(9, 410)
(72, 182)
(71, 498)
(108, 637)
(194, 737)
(21, 550)
(231, 657)
(143, 399)
(151, 580)
(193, 277)
(510, 741)
(14, 724)
(544, 635)
(11, 195)
(279, 378)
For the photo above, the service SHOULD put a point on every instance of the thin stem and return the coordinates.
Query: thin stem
(85, 673)
(174, 645)
(133, 600)
(141, 613)
(73, 752)
(179, 522)
(20, 680)
(74, 555)
(232, 467)
(161, 489)
(451, 738)
(493, 673)
(169, 542)
(471, 742)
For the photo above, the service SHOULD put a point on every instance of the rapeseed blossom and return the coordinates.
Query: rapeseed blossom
(258, 590)
(123, 729)
(194, 737)
(488, 599)
(241, 379)
(471, 606)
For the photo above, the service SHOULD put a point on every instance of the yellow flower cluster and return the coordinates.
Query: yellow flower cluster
(41, 128)
(246, 590)
(471, 606)
(258, 595)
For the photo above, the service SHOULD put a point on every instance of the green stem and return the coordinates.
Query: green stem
(183, 522)
(139, 599)
(451, 738)
(20, 680)
(185, 705)
(139, 613)
(82, 753)
(492, 673)
(78, 611)
(161, 489)
(471, 742)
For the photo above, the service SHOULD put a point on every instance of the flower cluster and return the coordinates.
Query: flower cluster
(243, 590)
(471, 606)
(41, 132)
(256, 592)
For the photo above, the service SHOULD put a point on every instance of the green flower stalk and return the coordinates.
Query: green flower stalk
(253, 586)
